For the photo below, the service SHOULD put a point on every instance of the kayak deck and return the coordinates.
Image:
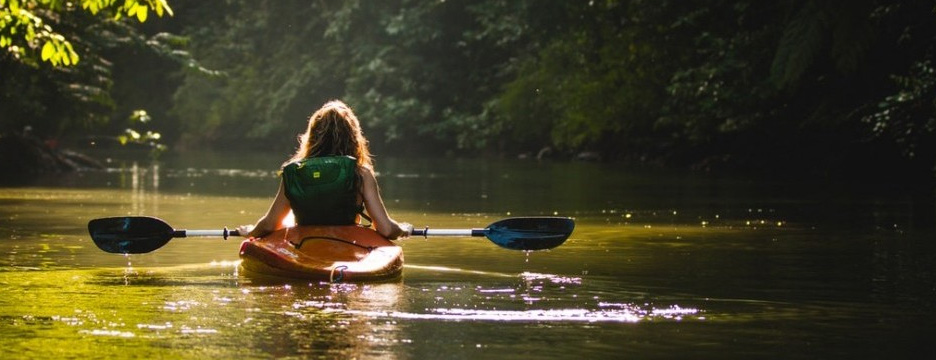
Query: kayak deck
(332, 253)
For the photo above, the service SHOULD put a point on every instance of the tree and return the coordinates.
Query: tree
(29, 28)
(284, 70)
(702, 83)
(57, 67)
(594, 83)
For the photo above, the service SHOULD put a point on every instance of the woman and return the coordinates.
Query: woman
(330, 180)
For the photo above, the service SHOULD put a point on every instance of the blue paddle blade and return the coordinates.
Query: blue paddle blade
(129, 235)
(530, 233)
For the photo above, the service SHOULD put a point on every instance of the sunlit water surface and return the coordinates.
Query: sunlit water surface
(660, 266)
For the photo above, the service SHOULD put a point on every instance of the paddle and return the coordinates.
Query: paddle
(140, 234)
(143, 234)
(521, 233)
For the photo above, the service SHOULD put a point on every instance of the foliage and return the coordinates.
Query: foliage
(27, 26)
(80, 97)
(597, 84)
(150, 138)
(283, 71)
(702, 83)
(909, 116)
(424, 74)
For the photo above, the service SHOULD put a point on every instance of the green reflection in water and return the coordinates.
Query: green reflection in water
(178, 312)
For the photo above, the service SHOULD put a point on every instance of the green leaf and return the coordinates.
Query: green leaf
(164, 6)
(48, 50)
(800, 45)
(141, 12)
(61, 54)
(131, 8)
(91, 6)
(71, 54)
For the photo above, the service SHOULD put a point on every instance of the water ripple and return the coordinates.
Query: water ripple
(626, 314)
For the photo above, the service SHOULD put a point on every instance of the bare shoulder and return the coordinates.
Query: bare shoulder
(367, 173)
(366, 170)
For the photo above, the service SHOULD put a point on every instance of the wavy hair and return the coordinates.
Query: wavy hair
(333, 130)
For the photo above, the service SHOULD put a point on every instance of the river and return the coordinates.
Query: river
(662, 264)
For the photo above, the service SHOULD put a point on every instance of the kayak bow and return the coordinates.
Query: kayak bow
(333, 253)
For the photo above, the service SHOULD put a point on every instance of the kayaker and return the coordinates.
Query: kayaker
(330, 179)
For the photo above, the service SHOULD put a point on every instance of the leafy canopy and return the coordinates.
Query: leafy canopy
(27, 32)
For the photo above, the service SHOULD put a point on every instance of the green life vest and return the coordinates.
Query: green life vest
(323, 190)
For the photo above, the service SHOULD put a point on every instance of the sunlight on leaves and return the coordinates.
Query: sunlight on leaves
(27, 33)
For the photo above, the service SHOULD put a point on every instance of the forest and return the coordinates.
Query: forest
(801, 87)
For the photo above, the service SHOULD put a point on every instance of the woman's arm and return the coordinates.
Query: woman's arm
(386, 226)
(273, 220)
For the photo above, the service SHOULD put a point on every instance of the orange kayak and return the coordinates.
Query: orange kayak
(330, 253)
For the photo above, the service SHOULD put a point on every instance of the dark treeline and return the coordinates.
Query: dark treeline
(768, 86)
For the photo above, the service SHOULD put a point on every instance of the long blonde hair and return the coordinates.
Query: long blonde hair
(334, 130)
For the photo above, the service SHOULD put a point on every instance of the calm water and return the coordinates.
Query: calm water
(661, 265)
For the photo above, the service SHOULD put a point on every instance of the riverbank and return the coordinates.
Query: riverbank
(24, 157)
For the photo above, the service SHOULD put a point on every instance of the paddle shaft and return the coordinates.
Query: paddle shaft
(447, 232)
(205, 233)
(416, 232)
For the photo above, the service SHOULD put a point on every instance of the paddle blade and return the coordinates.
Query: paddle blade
(530, 233)
(129, 235)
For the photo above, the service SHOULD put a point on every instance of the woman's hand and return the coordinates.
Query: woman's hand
(244, 230)
(407, 230)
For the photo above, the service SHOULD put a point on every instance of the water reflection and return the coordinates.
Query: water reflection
(657, 265)
(491, 303)
(143, 185)
(300, 321)
(195, 307)
(609, 313)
